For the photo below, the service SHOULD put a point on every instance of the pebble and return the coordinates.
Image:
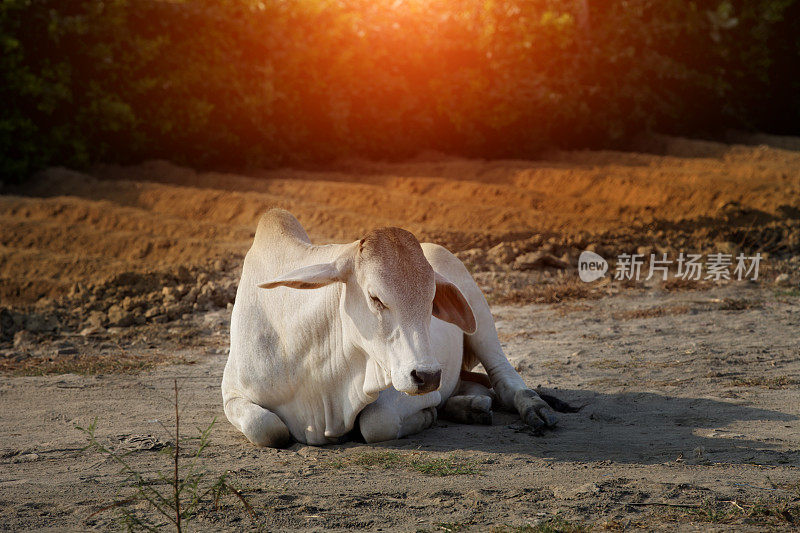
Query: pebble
(501, 254)
(118, 316)
(39, 323)
(96, 319)
(91, 330)
(538, 260)
(21, 338)
(25, 458)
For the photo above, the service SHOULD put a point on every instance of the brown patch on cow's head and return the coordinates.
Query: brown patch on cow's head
(393, 258)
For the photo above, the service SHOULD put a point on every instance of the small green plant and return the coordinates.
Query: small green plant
(788, 293)
(450, 465)
(719, 512)
(762, 512)
(451, 527)
(549, 525)
(189, 486)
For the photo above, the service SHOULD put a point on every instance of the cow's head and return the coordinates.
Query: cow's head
(390, 294)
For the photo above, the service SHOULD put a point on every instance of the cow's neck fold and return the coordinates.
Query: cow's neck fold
(355, 381)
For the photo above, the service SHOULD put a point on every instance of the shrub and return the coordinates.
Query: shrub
(241, 82)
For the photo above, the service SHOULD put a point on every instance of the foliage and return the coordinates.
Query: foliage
(188, 485)
(450, 465)
(245, 82)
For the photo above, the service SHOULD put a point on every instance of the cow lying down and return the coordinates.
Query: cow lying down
(375, 335)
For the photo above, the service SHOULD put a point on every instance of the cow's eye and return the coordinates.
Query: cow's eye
(379, 305)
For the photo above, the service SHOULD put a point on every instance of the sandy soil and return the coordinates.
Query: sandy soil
(690, 391)
(691, 422)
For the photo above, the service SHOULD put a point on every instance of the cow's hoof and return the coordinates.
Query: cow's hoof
(431, 416)
(478, 411)
(469, 409)
(534, 411)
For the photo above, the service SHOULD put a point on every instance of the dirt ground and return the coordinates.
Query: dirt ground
(117, 281)
(691, 421)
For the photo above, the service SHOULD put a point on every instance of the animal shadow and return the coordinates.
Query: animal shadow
(629, 427)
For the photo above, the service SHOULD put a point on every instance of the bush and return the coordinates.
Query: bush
(239, 82)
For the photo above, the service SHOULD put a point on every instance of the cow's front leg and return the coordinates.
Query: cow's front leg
(514, 394)
(484, 347)
(507, 383)
(396, 414)
(261, 426)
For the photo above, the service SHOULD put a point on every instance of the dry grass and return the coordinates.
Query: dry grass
(770, 514)
(565, 309)
(524, 335)
(109, 363)
(680, 284)
(775, 383)
(126, 351)
(615, 364)
(551, 293)
(651, 312)
(739, 304)
(611, 383)
(555, 364)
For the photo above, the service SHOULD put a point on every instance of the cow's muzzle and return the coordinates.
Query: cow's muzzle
(426, 381)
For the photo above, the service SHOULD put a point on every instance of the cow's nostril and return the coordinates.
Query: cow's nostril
(426, 381)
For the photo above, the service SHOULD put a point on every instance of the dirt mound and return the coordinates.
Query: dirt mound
(67, 227)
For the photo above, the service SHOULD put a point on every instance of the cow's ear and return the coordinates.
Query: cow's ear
(451, 306)
(310, 277)
(315, 276)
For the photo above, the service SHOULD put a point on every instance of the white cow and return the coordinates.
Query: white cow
(381, 331)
